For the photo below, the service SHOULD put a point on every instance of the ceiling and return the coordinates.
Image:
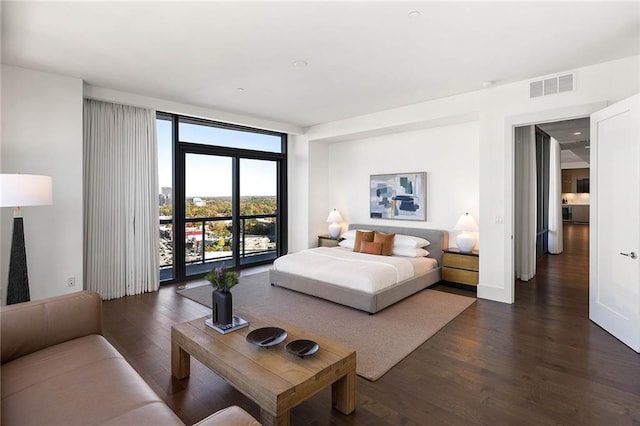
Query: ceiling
(361, 57)
(574, 138)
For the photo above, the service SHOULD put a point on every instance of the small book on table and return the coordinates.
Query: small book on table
(237, 324)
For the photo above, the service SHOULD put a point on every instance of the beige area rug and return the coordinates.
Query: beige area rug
(380, 341)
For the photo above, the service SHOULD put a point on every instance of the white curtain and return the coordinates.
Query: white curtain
(120, 200)
(525, 203)
(555, 194)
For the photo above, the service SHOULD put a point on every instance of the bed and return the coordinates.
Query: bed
(355, 294)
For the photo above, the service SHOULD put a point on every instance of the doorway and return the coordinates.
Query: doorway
(573, 137)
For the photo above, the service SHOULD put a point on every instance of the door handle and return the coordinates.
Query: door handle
(632, 255)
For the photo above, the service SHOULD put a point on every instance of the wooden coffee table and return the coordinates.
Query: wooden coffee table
(275, 379)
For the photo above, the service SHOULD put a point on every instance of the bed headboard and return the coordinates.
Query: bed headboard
(438, 238)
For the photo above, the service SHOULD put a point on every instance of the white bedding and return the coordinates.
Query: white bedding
(358, 271)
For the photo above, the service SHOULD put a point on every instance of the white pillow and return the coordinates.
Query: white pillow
(409, 252)
(399, 240)
(397, 251)
(347, 243)
(409, 241)
(350, 235)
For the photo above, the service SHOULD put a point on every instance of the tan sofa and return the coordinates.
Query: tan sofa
(58, 369)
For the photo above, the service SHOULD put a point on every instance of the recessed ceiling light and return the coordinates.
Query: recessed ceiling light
(300, 63)
(240, 89)
(486, 84)
(577, 133)
(415, 14)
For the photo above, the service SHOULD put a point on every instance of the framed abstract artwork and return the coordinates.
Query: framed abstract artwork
(398, 196)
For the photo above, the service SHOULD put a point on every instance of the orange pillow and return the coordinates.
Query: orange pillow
(370, 247)
(361, 236)
(387, 242)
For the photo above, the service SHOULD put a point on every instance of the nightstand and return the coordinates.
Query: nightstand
(327, 241)
(459, 267)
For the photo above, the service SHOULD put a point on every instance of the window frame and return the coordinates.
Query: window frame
(180, 149)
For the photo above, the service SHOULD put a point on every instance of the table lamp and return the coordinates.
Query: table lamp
(334, 227)
(18, 191)
(466, 240)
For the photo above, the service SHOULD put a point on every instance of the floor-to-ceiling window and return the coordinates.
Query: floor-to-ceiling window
(227, 196)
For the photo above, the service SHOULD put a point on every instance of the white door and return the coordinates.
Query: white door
(614, 275)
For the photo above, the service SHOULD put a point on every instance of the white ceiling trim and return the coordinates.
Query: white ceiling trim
(132, 99)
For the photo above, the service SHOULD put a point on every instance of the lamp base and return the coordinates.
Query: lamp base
(334, 230)
(18, 285)
(466, 242)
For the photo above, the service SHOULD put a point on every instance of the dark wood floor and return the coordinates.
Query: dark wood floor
(538, 361)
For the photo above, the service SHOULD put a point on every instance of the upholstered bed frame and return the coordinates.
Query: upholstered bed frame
(368, 302)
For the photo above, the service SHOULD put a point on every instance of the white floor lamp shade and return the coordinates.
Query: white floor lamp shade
(466, 240)
(334, 227)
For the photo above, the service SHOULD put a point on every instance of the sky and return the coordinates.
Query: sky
(210, 176)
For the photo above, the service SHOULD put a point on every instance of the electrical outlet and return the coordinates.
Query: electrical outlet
(71, 282)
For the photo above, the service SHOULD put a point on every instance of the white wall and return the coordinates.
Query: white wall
(497, 110)
(42, 134)
(298, 187)
(449, 155)
(319, 191)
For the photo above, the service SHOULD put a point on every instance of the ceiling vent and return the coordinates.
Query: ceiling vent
(552, 85)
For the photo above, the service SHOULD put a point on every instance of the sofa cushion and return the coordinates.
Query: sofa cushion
(152, 414)
(54, 361)
(230, 416)
(29, 327)
(84, 381)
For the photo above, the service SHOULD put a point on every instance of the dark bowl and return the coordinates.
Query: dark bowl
(302, 347)
(266, 336)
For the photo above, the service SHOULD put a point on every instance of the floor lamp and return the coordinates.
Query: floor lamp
(21, 191)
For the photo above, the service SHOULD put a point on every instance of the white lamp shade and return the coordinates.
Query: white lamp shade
(466, 223)
(334, 216)
(25, 190)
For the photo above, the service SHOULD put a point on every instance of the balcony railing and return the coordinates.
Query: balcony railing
(208, 240)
